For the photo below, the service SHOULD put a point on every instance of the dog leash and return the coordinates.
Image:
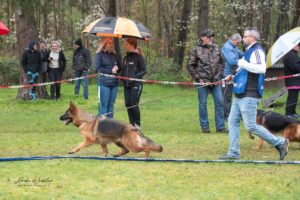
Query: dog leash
(166, 160)
(167, 96)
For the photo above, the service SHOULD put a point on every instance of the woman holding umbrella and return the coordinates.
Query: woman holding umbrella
(106, 62)
(292, 66)
(134, 66)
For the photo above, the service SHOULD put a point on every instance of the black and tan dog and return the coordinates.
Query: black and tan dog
(103, 131)
(277, 123)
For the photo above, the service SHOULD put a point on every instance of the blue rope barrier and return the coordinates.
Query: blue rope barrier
(271, 162)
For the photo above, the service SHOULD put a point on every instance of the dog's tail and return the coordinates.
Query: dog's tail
(151, 144)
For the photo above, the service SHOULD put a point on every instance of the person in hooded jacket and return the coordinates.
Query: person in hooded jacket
(134, 66)
(56, 66)
(81, 66)
(106, 62)
(32, 64)
(292, 66)
(205, 65)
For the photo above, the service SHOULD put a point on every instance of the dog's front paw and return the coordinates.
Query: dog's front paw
(71, 152)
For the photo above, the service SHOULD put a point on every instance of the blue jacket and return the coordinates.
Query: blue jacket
(231, 55)
(103, 63)
(247, 83)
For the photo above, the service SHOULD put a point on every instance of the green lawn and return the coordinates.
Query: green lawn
(33, 129)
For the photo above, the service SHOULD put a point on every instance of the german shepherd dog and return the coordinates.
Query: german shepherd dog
(102, 130)
(277, 123)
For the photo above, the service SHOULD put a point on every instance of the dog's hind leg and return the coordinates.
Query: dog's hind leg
(147, 153)
(259, 143)
(84, 144)
(104, 149)
(123, 151)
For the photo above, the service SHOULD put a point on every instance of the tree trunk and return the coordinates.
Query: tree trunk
(296, 14)
(55, 18)
(112, 11)
(168, 38)
(8, 13)
(45, 18)
(26, 30)
(71, 22)
(182, 34)
(159, 47)
(203, 11)
(266, 21)
(283, 19)
(125, 8)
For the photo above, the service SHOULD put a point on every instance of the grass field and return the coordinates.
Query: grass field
(33, 129)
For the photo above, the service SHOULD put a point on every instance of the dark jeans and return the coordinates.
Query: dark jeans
(291, 102)
(132, 98)
(219, 110)
(55, 75)
(227, 97)
(85, 83)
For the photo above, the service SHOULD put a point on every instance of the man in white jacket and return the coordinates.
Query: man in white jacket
(248, 89)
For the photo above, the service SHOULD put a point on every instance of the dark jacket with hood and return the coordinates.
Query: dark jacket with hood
(134, 66)
(104, 62)
(81, 57)
(205, 63)
(31, 59)
(292, 66)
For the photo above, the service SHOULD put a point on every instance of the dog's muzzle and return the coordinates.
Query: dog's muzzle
(67, 120)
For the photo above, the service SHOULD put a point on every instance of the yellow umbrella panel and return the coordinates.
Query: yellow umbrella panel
(117, 27)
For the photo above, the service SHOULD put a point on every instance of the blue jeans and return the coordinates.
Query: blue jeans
(107, 97)
(85, 83)
(246, 108)
(219, 111)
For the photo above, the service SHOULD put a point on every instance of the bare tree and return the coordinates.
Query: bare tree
(203, 10)
(182, 34)
(112, 11)
(26, 27)
(283, 19)
(296, 14)
(266, 21)
(169, 15)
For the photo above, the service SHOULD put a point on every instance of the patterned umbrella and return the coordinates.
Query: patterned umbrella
(283, 45)
(3, 29)
(118, 27)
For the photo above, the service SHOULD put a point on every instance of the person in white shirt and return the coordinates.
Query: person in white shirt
(56, 66)
(248, 89)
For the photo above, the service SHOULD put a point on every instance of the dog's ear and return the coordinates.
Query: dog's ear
(72, 106)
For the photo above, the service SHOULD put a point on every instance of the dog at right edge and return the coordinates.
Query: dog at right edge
(277, 123)
(102, 130)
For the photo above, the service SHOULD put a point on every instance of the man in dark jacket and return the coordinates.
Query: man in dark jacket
(205, 65)
(292, 66)
(81, 66)
(32, 64)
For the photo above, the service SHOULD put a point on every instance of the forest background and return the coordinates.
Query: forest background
(174, 24)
